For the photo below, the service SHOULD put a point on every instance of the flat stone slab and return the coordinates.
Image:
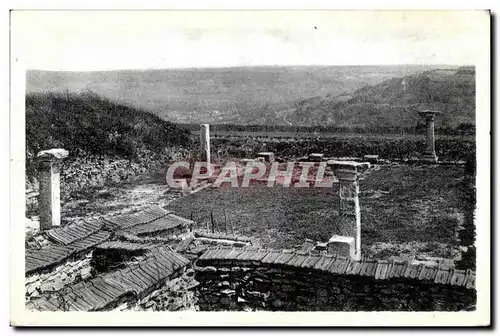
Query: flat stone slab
(55, 153)
(348, 165)
(320, 246)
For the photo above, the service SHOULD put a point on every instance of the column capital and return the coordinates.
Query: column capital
(50, 157)
(52, 154)
(344, 175)
(344, 170)
(429, 114)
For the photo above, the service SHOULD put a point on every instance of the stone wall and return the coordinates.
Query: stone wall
(173, 294)
(259, 279)
(53, 279)
(275, 289)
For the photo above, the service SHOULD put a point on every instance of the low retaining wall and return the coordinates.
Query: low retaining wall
(54, 279)
(173, 295)
(132, 282)
(295, 281)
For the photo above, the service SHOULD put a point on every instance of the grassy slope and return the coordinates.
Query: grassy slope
(227, 95)
(394, 101)
(95, 125)
(87, 123)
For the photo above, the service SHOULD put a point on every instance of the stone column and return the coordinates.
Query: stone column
(49, 202)
(429, 155)
(205, 146)
(349, 226)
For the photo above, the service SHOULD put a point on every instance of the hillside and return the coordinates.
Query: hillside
(393, 102)
(87, 122)
(243, 95)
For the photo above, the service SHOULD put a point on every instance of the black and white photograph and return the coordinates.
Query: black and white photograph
(250, 162)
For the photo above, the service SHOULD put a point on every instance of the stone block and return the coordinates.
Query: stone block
(268, 156)
(342, 245)
(324, 262)
(320, 247)
(308, 245)
(369, 268)
(316, 157)
(364, 166)
(374, 159)
(382, 270)
(246, 161)
(354, 268)
(340, 264)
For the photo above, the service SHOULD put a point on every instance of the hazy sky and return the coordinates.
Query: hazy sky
(102, 40)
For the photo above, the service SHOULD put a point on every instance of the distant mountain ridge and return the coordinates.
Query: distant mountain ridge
(245, 95)
(395, 101)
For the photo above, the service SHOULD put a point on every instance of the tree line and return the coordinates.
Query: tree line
(465, 129)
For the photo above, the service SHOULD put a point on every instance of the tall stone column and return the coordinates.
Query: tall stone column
(205, 146)
(348, 233)
(429, 155)
(49, 201)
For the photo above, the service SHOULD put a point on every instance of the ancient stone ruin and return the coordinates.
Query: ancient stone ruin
(154, 260)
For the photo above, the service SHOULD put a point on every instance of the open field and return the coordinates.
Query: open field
(405, 209)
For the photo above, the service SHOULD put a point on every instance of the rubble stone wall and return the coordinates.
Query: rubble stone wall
(272, 288)
(53, 279)
(173, 294)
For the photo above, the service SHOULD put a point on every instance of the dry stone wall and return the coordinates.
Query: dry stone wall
(172, 295)
(318, 283)
(56, 278)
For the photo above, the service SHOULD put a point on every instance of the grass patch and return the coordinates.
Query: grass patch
(399, 204)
